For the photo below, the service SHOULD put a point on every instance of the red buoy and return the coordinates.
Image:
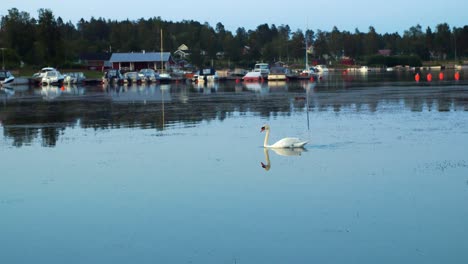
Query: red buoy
(457, 76)
(312, 79)
(417, 77)
(441, 76)
(429, 77)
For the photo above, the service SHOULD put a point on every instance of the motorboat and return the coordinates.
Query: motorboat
(321, 68)
(37, 77)
(262, 68)
(74, 77)
(206, 75)
(147, 75)
(6, 77)
(364, 69)
(132, 77)
(164, 77)
(253, 76)
(277, 74)
(113, 76)
(52, 77)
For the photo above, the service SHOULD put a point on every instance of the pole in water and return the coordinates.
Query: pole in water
(307, 107)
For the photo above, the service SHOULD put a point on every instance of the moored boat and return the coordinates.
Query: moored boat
(253, 76)
(206, 75)
(262, 68)
(52, 77)
(37, 77)
(6, 77)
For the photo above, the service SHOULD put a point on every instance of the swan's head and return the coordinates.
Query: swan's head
(265, 127)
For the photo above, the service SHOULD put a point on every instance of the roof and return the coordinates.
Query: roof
(140, 57)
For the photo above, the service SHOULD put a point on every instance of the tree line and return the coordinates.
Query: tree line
(47, 40)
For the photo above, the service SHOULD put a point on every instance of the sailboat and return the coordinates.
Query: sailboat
(164, 77)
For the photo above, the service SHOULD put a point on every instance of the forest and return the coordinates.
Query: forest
(47, 40)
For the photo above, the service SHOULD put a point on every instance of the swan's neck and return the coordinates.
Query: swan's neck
(267, 135)
(267, 160)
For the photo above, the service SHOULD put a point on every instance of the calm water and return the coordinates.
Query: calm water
(172, 173)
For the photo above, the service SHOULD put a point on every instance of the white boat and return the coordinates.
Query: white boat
(37, 77)
(364, 69)
(147, 75)
(164, 77)
(74, 77)
(253, 76)
(132, 77)
(112, 76)
(206, 75)
(262, 68)
(52, 77)
(6, 77)
(321, 68)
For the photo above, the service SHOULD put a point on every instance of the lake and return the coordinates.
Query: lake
(178, 173)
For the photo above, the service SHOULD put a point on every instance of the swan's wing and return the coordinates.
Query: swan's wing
(289, 143)
(299, 144)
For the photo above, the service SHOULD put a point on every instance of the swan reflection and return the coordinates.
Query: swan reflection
(280, 152)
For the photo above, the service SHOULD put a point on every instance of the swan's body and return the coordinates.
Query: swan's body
(282, 143)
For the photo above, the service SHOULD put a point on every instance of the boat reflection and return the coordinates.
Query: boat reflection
(52, 92)
(257, 87)
(280, 152)
(7, 91)
(206, 87)
(139, 93)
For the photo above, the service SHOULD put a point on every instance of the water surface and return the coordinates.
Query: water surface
(173, 173)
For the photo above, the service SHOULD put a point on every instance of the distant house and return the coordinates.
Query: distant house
(95, 61)
(143, 60)
(182, 52)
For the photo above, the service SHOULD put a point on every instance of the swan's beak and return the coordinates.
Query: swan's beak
(262, 129)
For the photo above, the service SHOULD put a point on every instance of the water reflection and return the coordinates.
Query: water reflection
(280, 152)
(51, 92)
(26, 112)
(139, 93)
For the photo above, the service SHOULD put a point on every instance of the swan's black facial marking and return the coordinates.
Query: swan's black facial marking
(263, 129)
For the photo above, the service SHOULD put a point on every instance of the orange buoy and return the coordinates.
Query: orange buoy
(417, 77)
(441, 76)
(429, 77)
(62, 88)
(457, 76)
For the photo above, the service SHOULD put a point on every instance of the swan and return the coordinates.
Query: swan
(282, 143)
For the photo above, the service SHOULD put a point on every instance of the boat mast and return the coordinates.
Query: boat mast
(306, 57)
(162, 62)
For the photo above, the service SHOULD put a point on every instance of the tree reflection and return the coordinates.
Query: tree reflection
(26, 116)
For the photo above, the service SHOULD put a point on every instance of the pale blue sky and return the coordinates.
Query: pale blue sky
(385, 16)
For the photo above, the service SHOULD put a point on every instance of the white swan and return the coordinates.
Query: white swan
(282, 143)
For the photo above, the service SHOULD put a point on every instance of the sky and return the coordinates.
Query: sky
(385, 16)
